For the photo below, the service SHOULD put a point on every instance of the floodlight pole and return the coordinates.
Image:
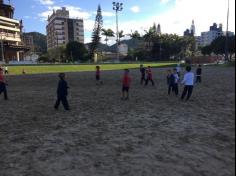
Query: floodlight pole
(227, 37)
(2, 47)
(117, 7)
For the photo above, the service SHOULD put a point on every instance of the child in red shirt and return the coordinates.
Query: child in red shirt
(3, 84)
(126, 85)
(149, 76)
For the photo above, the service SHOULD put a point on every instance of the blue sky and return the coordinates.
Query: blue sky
(174, 15)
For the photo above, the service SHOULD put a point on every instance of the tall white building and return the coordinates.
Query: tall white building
(207, 38)
(62, 29)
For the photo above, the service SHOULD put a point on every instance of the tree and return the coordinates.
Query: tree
(206, 50)
(76, 51)
(135, 35)
(96, 35)
(107, 33)
(121, 35)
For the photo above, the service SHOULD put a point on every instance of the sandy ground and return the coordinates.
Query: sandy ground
(149, 135)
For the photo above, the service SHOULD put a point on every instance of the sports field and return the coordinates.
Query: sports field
(17, 70)
(152, 134)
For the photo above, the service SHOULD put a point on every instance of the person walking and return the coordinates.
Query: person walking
(188, 82)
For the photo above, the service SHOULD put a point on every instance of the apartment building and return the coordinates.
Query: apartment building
(62, 29)
(12, 46)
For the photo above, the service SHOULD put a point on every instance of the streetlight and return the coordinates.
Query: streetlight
(2, 46)
(117, 7)
(227, 37)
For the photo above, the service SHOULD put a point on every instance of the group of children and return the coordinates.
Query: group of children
(173, 80)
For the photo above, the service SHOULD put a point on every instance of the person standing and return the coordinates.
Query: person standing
(199, 74)
(126, 85)
(176, 82)
(3, 84)
(178, 69)
(149, 76)
(62, 92)
(6, 70)
(143, 74)
(98, 75)
(170, 81)
(188, 82)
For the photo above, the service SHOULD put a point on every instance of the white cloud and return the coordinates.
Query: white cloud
(46, 2)
(75, 12)
(135, 9)
(164, 1)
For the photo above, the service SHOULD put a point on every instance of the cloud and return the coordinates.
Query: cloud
(75, 12)
(46, 2)
(164, 1)
(135, 9)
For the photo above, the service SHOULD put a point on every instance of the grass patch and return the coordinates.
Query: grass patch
(39, 69)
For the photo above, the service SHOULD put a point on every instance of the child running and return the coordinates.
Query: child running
(199, 74)
(62, 92)
(149, 76)
(3, 84)
(126, 85)
(188, 82)
(143, 74)
(98, 75)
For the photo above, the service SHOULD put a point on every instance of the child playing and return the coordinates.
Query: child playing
(98, 75)
(188, 82)
(176, 82)
(199, 74)
(178, 69)
(143, 74)
(149, 76)
(3, 84)
(62, 93)
(6, 70)
(170, 81)
(126, 85)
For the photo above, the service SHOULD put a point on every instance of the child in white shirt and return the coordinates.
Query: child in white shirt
(188, 82)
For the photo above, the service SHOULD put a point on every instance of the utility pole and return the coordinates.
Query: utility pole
(227, 37)
(2, 47)
(117, 7)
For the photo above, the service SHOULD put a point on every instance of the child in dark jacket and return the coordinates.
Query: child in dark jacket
(170, 81)
(199, 74)
(62, 92)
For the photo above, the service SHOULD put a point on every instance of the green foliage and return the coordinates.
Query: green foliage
(107, 33)
(57, 54)
(76, 51)
(206, 50)
(96, 32)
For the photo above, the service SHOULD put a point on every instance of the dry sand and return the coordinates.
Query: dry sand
(149, 135)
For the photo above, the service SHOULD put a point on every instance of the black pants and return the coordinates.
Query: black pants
(149, 79)
(187, 90)
(198, 79)
(4, 90)
(143, 80)
(173, 88)
(64, 101)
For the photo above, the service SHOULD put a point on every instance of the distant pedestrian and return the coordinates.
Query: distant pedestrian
(62, 92)
(98, 75)
(23, 71)
(188, 82)
(126, 85)
(199, 74)
(143, 74)
(6, 70)
(149, 76)
(3, 84)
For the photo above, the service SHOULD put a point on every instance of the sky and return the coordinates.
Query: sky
(174, 16)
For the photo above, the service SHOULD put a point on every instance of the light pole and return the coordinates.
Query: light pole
(117, 7)
(2, 47)
(227, 37)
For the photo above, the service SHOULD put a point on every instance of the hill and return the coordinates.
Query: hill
(40, 42)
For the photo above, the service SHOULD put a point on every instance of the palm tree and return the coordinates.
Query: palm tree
(135, 35)
(121, 35)
(149, 36)
(107, 33)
